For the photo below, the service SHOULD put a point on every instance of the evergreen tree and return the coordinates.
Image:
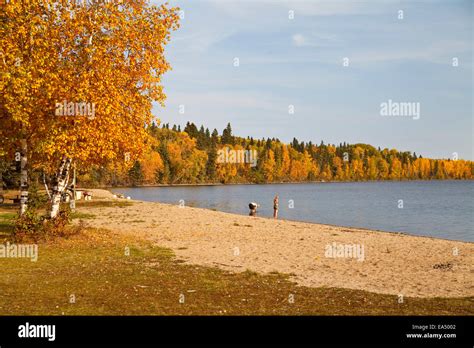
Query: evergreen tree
(227, 137)
(192, 130)
(211, 163)
(201, 139)
(136, 174)
(268, 144)
(295, 144)
(214, 137)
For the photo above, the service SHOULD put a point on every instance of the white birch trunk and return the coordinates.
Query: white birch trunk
(46, 187)
(23, 178)
(73, 201)
(59, 185)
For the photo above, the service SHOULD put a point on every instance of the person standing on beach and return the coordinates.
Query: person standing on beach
(275, 207)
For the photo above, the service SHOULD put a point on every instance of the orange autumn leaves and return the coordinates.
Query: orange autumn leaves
(101, 53)
(190, 157)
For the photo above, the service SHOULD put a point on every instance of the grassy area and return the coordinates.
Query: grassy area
(80, 215)
(112, 274)
(6, 222)
(9, 211)
(101, 203)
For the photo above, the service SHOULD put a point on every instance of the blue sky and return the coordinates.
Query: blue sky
(299, 62)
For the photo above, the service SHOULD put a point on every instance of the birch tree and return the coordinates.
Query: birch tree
(78, 79)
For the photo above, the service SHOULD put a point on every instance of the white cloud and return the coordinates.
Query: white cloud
(316, 40)
(299, 40)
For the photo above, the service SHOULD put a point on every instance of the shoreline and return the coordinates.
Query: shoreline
(393, 262)
(316, 223)
(276, 183)
(320, 223)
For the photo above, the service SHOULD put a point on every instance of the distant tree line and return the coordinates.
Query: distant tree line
(190, 155)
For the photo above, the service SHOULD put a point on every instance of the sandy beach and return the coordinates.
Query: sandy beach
(387, 263)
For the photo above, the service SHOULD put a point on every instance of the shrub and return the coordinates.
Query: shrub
(32, 227)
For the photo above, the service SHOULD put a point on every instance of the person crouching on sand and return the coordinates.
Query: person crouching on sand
(253, 208)
(275, 207)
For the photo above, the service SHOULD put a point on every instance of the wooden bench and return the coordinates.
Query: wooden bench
(16, 200)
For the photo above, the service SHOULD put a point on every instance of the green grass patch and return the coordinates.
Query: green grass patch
(100, 203)
(6, 223)
(80, 215)
(7, 216)
(112, 274)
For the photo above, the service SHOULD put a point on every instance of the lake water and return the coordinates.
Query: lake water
(442, 209)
